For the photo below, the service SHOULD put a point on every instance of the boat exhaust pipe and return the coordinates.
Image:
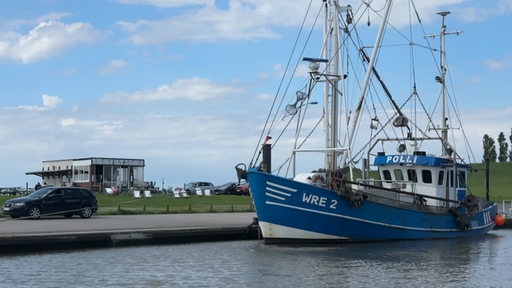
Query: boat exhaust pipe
(265, 165)
(267, 158)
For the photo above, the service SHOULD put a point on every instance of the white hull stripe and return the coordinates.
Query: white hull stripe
(275, 196)
(280, 186)
(276, 191)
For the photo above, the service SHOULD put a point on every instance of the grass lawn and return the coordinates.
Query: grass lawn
(162, 203)
(500, 180)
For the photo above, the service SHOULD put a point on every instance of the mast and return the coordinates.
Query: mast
(444, 119)
(330, 51)
(446, 150)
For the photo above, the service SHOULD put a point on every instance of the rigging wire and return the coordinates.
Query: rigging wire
(455, 106)
(256, 153)
(414, 99)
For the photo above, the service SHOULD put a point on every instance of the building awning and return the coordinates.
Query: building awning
(62, 172)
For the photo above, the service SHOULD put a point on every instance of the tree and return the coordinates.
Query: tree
(489, 149)
(510, 152)
(503, 146)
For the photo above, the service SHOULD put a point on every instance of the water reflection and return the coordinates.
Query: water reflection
(483, 262)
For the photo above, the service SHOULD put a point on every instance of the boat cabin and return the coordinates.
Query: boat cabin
(433, 176)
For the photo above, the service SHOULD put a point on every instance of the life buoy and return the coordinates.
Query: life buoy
(318, 179)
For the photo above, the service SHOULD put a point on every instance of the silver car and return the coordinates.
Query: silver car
(199, 188)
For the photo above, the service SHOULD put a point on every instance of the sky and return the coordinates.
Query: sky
(187, 84)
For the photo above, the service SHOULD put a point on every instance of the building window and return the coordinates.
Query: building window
(81, 173)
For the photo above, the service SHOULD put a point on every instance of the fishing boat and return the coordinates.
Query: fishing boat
(381, 174)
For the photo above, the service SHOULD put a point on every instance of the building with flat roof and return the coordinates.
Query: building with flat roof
(93, 173)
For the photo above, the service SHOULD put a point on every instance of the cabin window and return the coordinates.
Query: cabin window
(426, 175)
(387, 175)
(440, 180)
(399, 175)
(411, 174)
(462, 179)
(451, 178)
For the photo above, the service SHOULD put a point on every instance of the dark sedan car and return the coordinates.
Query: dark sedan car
(67, 201)
(226, 189)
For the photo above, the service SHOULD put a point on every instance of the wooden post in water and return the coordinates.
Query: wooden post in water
(487, 176)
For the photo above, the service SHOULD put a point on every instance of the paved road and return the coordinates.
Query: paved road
(57, 224)
(59, 232)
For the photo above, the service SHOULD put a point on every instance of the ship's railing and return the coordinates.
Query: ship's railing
(505, 207)
(407, 186)
(397, 194)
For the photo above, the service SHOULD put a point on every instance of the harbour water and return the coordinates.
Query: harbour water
(482, 262)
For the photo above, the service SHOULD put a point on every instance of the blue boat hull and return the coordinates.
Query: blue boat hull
(292, 211)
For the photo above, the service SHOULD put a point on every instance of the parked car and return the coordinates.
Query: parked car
(226, 189)
(197, 188)
(242, 189)
(67, 201)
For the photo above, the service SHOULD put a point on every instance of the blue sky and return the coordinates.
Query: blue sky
(186, 84)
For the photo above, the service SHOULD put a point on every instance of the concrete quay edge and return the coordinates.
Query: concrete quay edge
(175, 233)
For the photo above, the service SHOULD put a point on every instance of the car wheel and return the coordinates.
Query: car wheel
(86, 212)
(34, 212)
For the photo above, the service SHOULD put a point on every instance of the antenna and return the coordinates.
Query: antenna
(441, 79)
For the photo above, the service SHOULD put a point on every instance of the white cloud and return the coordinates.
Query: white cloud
(248, 19)
(195, 89)
(483, 121)
(46, 40)
(113, 66)
(499, 64)
(68, 122)
(476, 79)
(243, 20)
(491, 9)
(49, 103)
(167, 3)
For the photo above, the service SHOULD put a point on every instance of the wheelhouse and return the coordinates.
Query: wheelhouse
(434, 176)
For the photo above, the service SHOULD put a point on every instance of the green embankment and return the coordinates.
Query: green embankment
(500, 180)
